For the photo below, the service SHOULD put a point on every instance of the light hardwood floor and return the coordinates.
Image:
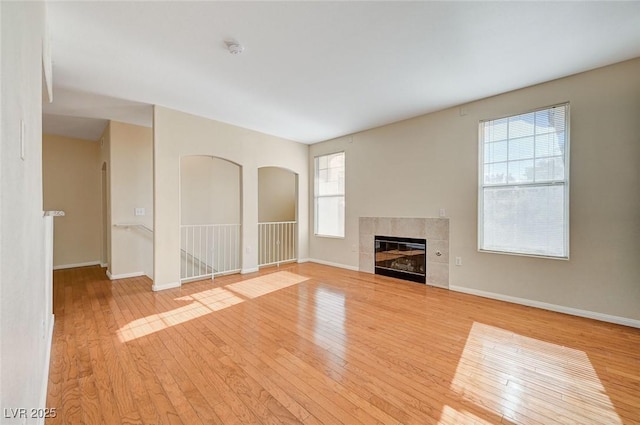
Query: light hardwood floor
(311, 344)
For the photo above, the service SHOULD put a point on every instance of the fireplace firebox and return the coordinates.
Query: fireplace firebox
(403, 258)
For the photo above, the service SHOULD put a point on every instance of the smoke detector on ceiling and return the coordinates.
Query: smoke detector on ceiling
(234, 47)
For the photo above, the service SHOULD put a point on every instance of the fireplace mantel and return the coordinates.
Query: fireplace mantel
(434, 230)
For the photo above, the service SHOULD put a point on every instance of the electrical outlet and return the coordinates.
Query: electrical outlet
(139, 211)
(443, 213)
(458, 261)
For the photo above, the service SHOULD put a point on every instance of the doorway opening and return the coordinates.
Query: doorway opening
(210, 217)
(277, 216)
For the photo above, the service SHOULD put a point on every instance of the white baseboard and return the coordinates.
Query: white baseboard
(551, 307)
(123, 275)
(103, 265)
(164, 286)
(73, 266)
(303, 260)
(247, 271)
(332, 264)
(44, 387)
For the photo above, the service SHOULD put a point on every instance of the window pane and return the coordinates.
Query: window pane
(330, 216)
(330, 182)
(550, 120)
(521, 148)
(323, 176)
(560, 141)
(549, 169)
(527, 220)
(336, 160)
(521, 125)
(323, 162)
(495, 130)
(495, 173)
(495, 152)
(520, 171)
(546, 145)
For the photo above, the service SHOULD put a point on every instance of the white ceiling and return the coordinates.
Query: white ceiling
(315, 70)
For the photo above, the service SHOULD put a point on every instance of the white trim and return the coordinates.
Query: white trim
(123, 275)
(251, 270)
(332, 264)
(303, 260)
(103, 265)
(45, 370)
(169, 285)
(74, 265)
(551, 307)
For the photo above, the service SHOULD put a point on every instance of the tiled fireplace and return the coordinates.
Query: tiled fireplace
(434, 230)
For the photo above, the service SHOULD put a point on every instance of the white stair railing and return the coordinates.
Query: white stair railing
(207, 250)
(276, 242)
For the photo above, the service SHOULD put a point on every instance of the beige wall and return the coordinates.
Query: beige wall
(130, 186)
(209, 191)
(177, 134)
(25, 304)
(415, 167)
(276, 195)
(72, 183)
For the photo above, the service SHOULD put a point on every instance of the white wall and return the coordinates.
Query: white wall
(25, 325)
(131, 186)
(415, 167)
(209, 191)
(276, 195)
(72, 183)
(177, 134)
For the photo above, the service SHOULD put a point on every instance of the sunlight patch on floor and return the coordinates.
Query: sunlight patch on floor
(208, 301)
(330, 315)
(502, 371)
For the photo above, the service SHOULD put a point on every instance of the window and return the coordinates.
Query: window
(329, 195)
(523, 203)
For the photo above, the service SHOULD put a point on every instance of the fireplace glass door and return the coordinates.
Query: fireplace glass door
(403, 258)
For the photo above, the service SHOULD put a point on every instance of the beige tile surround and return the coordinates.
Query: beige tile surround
(434, 230)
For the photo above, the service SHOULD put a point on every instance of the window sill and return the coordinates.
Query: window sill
(518, 254)
(328, 236)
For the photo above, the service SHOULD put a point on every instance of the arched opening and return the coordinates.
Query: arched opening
(210, 217)
(277, 216)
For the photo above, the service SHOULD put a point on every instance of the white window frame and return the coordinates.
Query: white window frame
(316, 196)
(565, 182)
